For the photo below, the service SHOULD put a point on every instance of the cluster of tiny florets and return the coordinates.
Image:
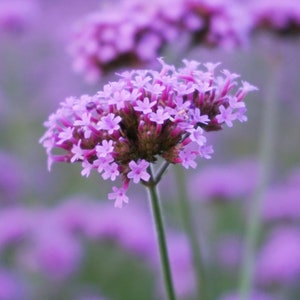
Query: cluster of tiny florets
(145, 115)
(279, 17)
(136, 32)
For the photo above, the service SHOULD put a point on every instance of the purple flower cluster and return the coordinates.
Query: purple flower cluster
(49, 242)
(136, 32)
(147, 114)
(224, 183)
(16, 15)
(278, 16)
(12, 178)
(254, 295)
(281, 202)
(279, 258)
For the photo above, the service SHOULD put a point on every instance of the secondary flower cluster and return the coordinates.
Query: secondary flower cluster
(144, 115)
(17, 15)
(137, 31)
(281, 17)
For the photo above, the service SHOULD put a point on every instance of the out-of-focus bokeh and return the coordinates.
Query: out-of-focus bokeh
(61, 238)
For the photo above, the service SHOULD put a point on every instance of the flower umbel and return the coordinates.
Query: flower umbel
(144, 115)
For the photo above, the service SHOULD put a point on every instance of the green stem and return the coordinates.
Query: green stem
(161, 238)
(161, 172)
(266, 153)
(187, 219)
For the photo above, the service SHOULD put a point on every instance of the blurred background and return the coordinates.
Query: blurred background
(60, 238)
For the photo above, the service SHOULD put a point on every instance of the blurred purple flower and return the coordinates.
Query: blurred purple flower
(279, 258)
(255, 295)
(11, 287)
(282, 17)
(17, 15)
(224, 182)
(15, 225)
(136, 32)
(51, 252)
(12, 178)
(282, 203)
(230, 251)
(131, 228)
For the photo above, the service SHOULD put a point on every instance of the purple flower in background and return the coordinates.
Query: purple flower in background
(230, 251)
(91, 297)
(224, 182)
(15, 225)
(135, 32)
(130, 229)
(282, 17)
(11, 288)
(12, 178)
(282, 203)
(17, 15)
(52, 252)
(139, 139)
(254, 295)
(279, 258)
(294, 177)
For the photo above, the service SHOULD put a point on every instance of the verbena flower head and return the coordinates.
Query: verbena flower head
(145, 115)
(281, 17)
(138, 31)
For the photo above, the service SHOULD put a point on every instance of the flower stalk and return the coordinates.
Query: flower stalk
(161, 238)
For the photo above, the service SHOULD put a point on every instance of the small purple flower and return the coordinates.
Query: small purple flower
(77, 152)
(138, 171)
(226, 116)
(86, 168)
(160, 116)
(196, 135)
(109, 123)
(119, 196)
(111, 172)
(187, 159)
(144, 106)
(105, 148)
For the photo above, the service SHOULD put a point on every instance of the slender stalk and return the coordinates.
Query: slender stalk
(161, 239)
(266, 153)
(161, 172)
(187, 219)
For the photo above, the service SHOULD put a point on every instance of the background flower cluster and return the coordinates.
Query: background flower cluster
(59, 236)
